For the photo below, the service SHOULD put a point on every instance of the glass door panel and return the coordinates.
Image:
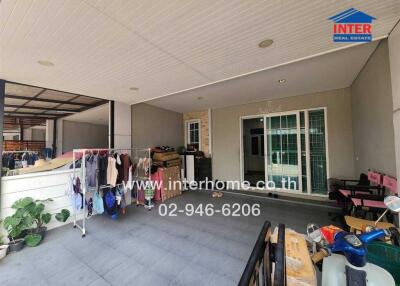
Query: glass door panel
(317, 151)
(253, 150)
(282, 153)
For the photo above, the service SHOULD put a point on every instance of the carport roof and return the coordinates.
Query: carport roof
(31, 105)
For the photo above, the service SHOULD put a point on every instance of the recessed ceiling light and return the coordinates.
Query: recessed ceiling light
(282, 80)
(200, 98)
(134, 88)
(45, 63)
(266, 43)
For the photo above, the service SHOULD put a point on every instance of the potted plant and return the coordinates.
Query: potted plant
(3, 246)
(29, 212)
(40, 218)
(17, 224)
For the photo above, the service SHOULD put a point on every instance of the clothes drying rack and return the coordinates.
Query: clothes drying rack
(130, 151)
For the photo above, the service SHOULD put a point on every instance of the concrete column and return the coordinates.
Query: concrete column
(49, 133)
(394, 59)
(122, 125)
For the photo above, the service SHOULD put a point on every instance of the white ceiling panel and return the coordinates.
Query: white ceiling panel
(97, 115)
(101, 48)
(327, 72)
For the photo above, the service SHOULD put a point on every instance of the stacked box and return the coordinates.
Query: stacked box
(171, 175)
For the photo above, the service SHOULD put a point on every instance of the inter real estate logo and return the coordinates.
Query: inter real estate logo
(352, 25)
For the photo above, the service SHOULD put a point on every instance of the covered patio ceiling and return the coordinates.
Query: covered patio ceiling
(26, 105)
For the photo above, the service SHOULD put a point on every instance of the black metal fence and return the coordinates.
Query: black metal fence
(258, 270)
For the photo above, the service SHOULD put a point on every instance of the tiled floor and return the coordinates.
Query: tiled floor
(143, 248)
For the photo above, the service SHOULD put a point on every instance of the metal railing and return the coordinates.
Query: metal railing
(258, 270)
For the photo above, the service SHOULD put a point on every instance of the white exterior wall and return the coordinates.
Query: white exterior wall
(43, 185)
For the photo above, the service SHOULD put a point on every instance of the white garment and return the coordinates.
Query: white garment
(69, 191)
(112, 172)
(130, 179)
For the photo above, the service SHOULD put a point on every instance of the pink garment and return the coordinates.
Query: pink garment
(158, 183)
(369, 203)
(375, 178)
(140, 196)
(390, 184)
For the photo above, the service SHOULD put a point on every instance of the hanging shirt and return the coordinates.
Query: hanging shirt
(126, 167)
(102, 177)
(91, 168)
(112, 172)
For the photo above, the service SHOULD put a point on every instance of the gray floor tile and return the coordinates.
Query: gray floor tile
(142, 248)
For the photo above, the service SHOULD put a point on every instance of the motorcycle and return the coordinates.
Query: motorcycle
(351, 268)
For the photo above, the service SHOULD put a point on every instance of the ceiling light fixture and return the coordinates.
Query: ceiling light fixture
(45, 63)
(266, 43)
(134, 88)
(282, 80)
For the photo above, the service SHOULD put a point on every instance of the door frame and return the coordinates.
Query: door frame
(308, 167)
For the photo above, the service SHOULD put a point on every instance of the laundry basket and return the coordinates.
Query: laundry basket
(386, 256)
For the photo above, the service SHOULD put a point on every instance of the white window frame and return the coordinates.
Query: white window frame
(187, 130)
(308, 168)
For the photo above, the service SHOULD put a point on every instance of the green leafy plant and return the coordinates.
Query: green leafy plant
(33, 239)
(29, 213)
(40, 218)
(21, 220)
(63, 215)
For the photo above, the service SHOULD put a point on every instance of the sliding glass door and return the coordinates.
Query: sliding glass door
(295, 156)
(253, 150)
(283, 151)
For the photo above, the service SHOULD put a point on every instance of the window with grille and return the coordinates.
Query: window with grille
(193, 133)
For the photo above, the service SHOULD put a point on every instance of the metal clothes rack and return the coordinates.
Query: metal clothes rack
(82, 226)
(145, 177)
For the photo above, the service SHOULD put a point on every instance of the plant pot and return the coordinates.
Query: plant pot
(16, 245)
(42, 231)
(3, 251)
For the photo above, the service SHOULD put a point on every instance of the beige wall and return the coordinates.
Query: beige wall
(371, 101)
(226, 131)
(38, 134)
(83, 135)
(204, 123)
(153, 126)
(394, 58)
